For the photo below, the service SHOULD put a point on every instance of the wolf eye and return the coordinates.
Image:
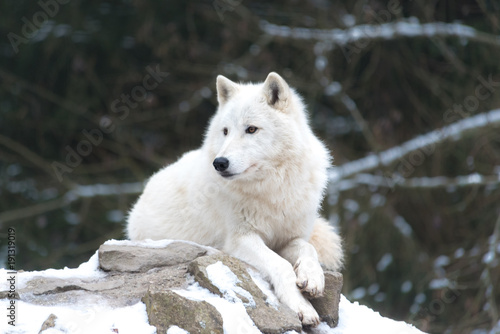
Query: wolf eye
(251, 129)
(224, 131)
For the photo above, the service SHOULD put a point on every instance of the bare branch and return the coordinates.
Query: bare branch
(386, 31)
(387, 157)
(76, 193)
(418, 182)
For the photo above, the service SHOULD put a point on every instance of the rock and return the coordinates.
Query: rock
(135, 273)
(327, 306)
(51, 285)
(118, 289)
(125, 258)
(267, 318)
(49, 323)
(166, 309)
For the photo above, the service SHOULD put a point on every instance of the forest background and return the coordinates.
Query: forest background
(96, 96)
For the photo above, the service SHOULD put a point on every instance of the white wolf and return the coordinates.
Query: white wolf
(260, 203)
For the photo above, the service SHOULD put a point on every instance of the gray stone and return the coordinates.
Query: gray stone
(141, 259)
(268, 319)
(49, 323)
(166, 309)
(327, 306)
(117, 288)
(149, 274)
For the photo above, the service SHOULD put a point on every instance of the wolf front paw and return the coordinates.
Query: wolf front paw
(308, 315)
(296, 301)
(310, 276)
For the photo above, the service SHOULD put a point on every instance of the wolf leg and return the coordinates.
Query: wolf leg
(303, 256)
(252, 249)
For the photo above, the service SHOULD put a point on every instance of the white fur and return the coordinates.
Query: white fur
(265, 210)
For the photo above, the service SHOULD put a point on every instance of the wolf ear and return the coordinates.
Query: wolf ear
(225, 89)
(276, 91)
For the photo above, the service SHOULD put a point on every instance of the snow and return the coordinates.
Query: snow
(439, 283)
(403, 226)
(148, 243)
(224, 279)
(265, 287)
(234, 316)
(176, 330)
(86, 270)
(143, 243)
(353, 318)
(87, 316)
(84, 317)
(79, 318)
(384, 262)
(357, 319)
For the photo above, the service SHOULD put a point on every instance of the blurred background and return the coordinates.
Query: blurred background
(96, 96)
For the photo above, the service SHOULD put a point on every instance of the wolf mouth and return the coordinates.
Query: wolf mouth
(228, 175)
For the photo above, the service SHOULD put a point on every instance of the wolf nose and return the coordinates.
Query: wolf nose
(221, 164)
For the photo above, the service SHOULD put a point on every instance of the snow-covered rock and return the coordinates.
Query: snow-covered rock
(167, 297)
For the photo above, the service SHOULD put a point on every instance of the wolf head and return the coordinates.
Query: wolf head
(257, 128)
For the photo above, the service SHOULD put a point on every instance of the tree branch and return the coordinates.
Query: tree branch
(387, 157)
(386, 31)
(72, 195)
(418, 182)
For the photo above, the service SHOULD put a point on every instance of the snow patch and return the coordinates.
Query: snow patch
(176, 330)
(403, 226)
(91, 317)
(81, 318)
(441, 261)
(87, 270)
(384, 262)
(149, 243)
(224, 279)
(439, 283)
(357, 319)
(265, 287)
(234, 316)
